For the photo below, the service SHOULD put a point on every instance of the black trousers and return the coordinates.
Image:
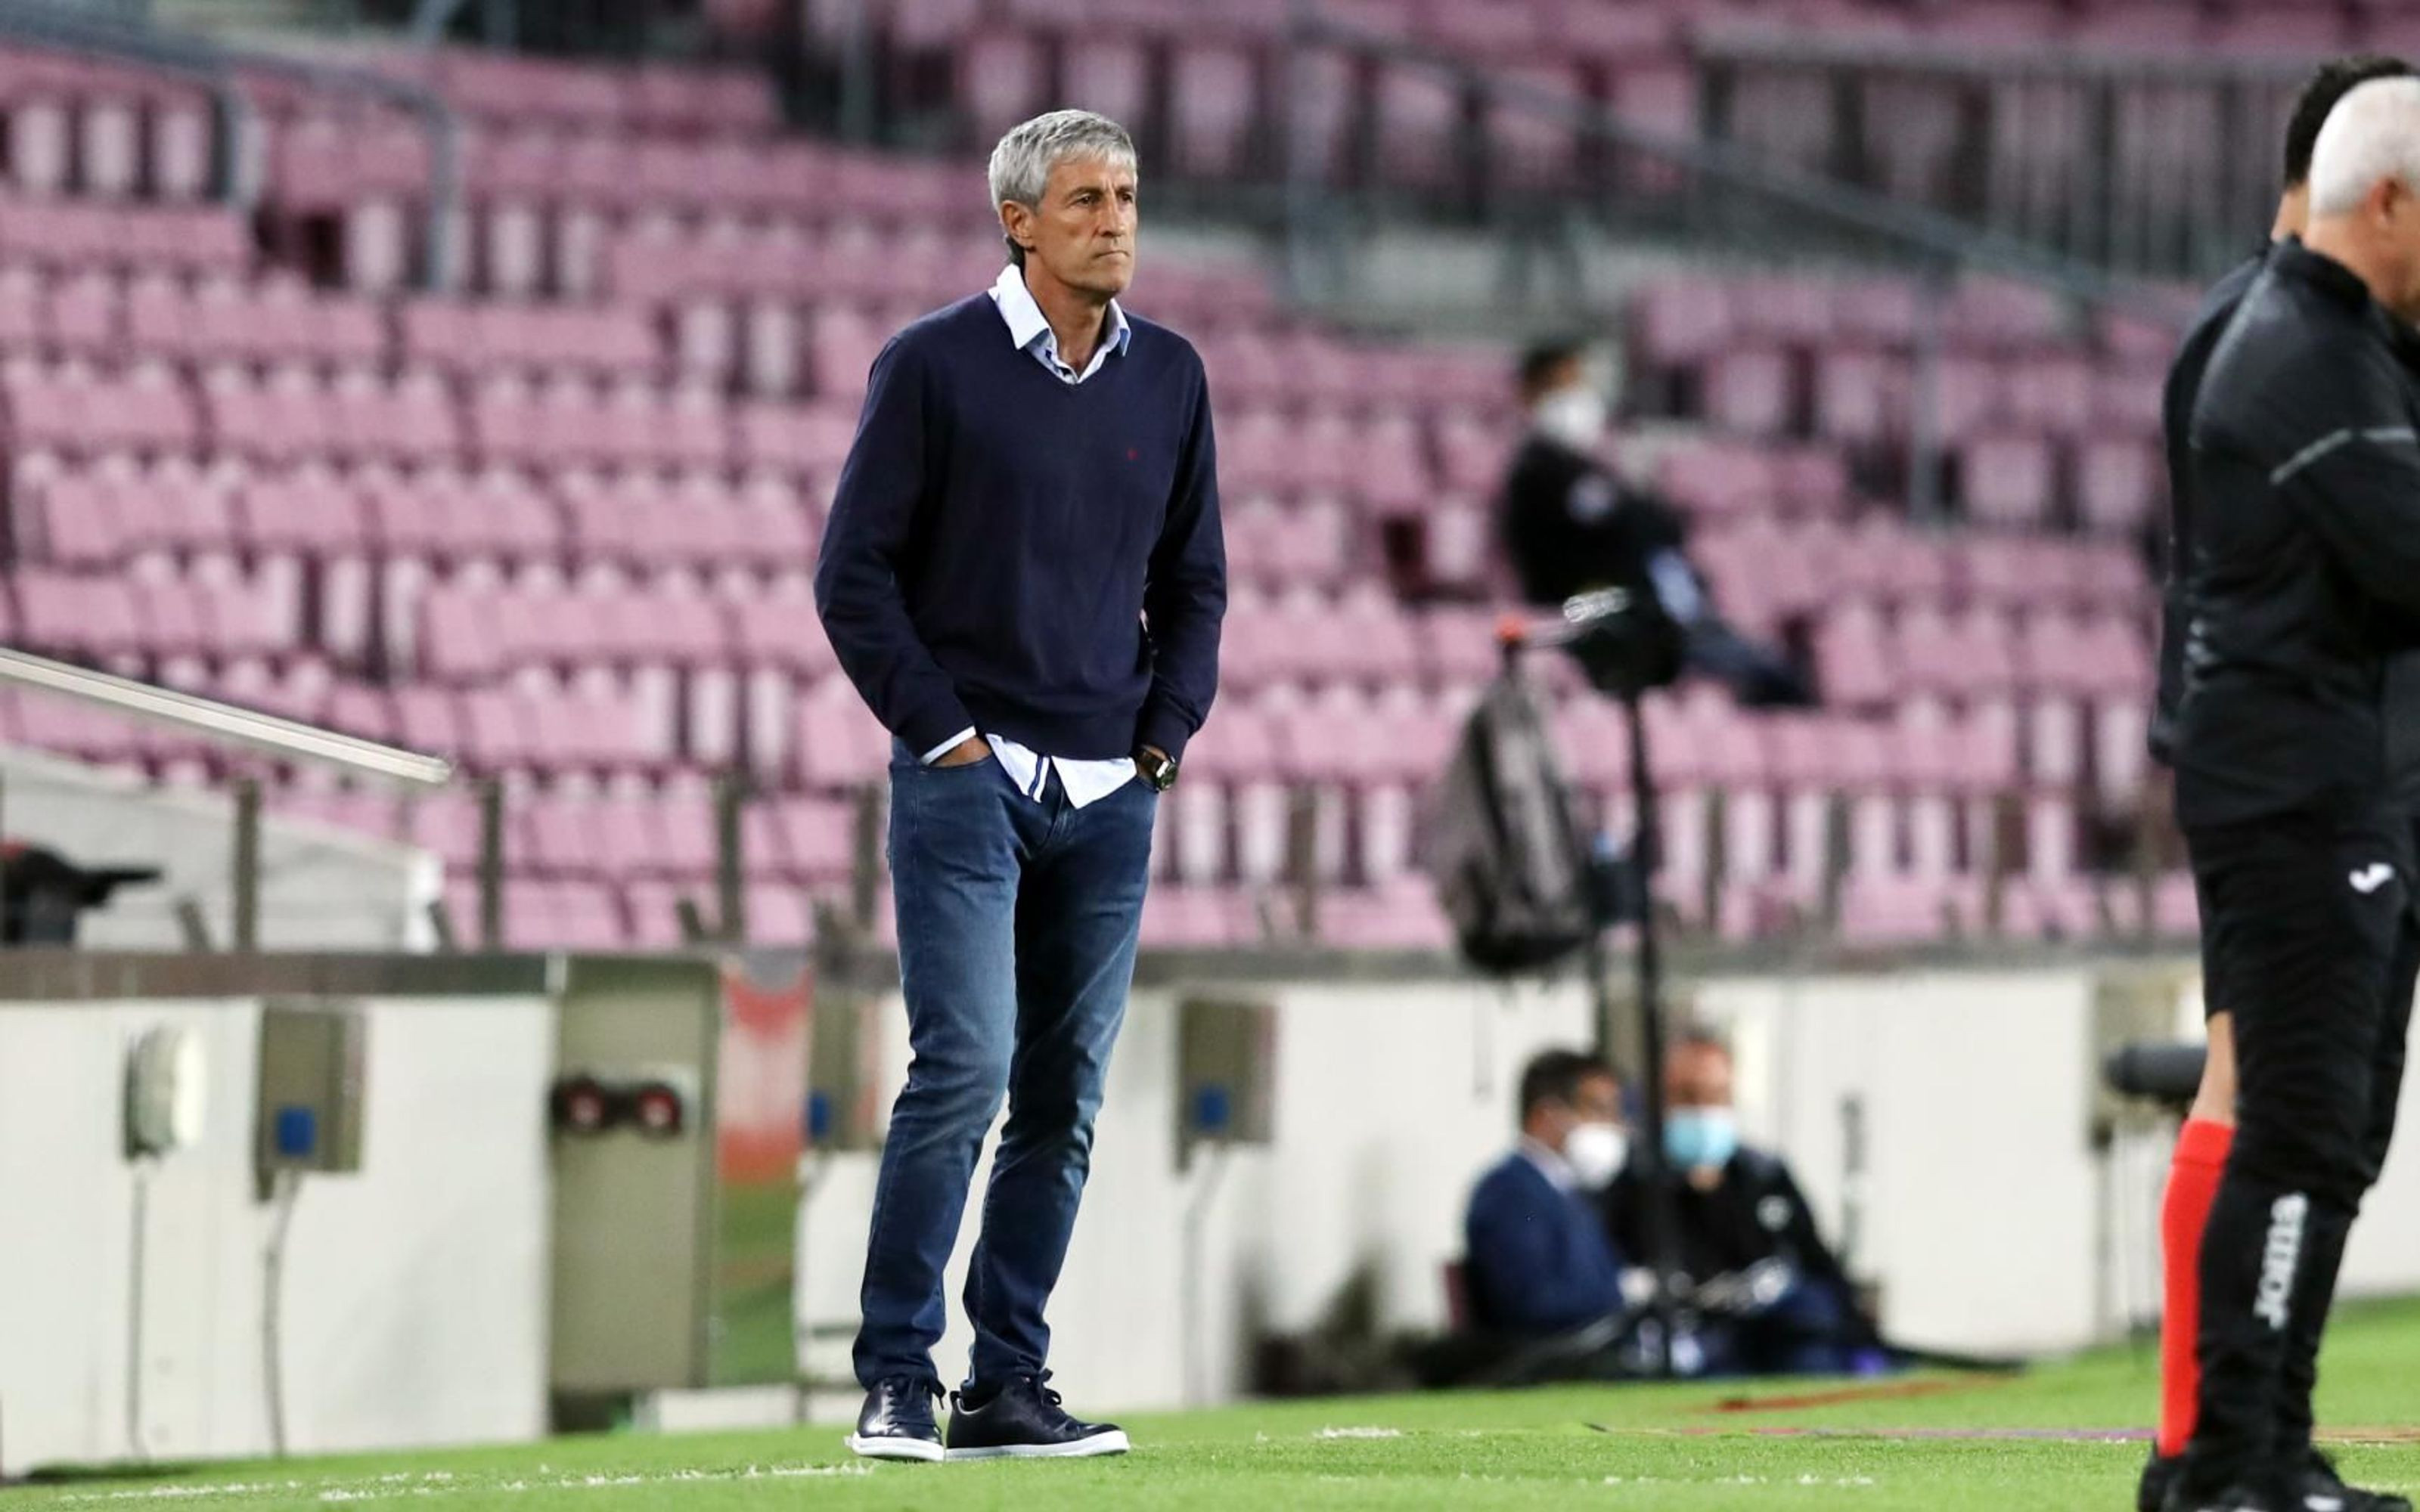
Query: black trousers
(2311, 944)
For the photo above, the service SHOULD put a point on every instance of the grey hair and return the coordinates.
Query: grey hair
(1021, 164)
(2373, 133)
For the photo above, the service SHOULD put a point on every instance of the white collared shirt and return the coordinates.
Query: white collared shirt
(1551, 1165)
(1086, 781)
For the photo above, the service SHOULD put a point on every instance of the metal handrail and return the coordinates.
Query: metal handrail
(1928, 234)
(225, 721)
(1990, 61)
(2149, 208)
(42, 23)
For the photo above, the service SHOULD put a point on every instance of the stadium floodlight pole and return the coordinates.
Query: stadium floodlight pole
(224, 721)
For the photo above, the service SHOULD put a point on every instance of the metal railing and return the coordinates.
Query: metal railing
(105, 37)
(226, 724)
(2160, 165)
(1635, 179)
(721, 920)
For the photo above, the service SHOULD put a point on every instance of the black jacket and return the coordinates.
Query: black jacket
(2305, 552)
(2177, 398)
(1570, 525)
(1756, 1213)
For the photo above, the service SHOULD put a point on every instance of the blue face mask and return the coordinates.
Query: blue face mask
(1700, 1138)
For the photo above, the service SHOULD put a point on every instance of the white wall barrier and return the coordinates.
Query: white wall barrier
(1990, 1222)
(415, 1296)
(132, 1297)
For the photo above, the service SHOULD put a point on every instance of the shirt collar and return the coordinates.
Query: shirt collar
(1550, 1164)
(1027, 324)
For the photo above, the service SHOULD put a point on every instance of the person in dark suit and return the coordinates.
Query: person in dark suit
(1540, 1261)
(1769, 1296)
(1569, 526)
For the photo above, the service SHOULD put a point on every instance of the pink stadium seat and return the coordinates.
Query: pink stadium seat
(2053, 393)
(1717, 481)
(1183, 918)
(1681, 322)
(1002, 75)
(1418, 116)
(2119, 483)
(1211, 109)
(86, 615)
(1859, 397)
(2006, 480)
(840, 745)
(1851, 658)
(1107, 73)
(1751, 390)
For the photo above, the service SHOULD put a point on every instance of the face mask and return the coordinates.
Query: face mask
(1596, 1153)
(1700, 1138)
(1574, 417)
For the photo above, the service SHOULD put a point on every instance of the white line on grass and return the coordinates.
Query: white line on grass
(1829, 1482)
(444, 1483)
(1359, 1433)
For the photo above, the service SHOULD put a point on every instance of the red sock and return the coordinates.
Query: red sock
(2193, 1185)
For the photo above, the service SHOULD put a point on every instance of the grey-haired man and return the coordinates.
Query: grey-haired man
(1023, 575)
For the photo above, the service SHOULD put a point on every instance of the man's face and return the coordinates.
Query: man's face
(1082, 234)
(1570, 373)
(1697, 1076)
(1596, 1100)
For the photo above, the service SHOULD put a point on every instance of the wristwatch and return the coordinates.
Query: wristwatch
(1157, 770)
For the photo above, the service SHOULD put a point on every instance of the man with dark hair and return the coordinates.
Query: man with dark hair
(2293, 782)
(1568, 525)
(1538, 1262)
(2202, 1145)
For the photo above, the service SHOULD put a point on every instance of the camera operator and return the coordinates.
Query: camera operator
(1570, 525)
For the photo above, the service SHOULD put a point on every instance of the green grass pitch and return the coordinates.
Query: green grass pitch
(2063, 1436)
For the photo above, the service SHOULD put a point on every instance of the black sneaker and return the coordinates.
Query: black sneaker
(2235, 1498)
(1023, 1421)
(2322, 1489)
(2159, 1474)
(896, 1422)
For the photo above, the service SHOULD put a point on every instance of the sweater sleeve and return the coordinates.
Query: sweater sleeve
(857, 578)
(1185, 596)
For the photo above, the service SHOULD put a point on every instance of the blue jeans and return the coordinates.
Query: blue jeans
(1017, 942)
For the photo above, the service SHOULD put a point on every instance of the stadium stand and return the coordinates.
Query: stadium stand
(558, 523)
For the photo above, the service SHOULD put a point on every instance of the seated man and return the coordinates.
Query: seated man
(1768, 1296)
(1568, 525)
(1540, 1261)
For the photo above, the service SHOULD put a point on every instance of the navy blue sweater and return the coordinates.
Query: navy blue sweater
(1539, 1259)
(1031, 558)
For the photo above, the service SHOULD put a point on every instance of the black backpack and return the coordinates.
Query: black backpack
(1512, 866)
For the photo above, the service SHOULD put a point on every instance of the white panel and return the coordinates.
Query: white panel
(414, 1297)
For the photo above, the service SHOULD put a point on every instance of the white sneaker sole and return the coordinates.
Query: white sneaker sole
(1101, 1444)
(914, 1451)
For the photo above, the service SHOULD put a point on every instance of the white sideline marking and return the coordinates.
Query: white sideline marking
(1827, 1482)
(445, 1483)
(1359, 1433)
